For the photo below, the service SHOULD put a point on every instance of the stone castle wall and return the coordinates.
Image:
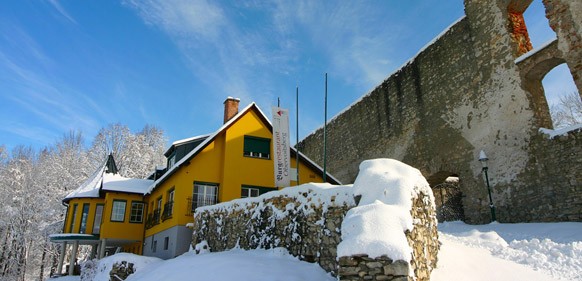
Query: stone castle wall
(464, 93)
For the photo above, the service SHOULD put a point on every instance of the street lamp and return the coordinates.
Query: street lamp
(483, 159)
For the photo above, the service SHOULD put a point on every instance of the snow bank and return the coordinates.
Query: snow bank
(237, 264)
(549, 248)
(377, 225)
(100, 271)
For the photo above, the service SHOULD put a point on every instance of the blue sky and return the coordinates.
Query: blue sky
(81, 65)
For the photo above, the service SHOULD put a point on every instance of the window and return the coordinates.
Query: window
(166, 242)
(136, 213)
(169, 205)
(204, 194)
(73, 218)
(97, 220)
(172, 160)
(249, 192)
(257, 147)
(118, 211)
(155, 246)
(159, 206)
(84, 217)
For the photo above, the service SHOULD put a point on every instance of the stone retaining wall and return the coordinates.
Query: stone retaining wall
(308, 225)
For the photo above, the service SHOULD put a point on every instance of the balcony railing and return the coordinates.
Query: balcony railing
(168, 210)
(153, 219)
(200, 202)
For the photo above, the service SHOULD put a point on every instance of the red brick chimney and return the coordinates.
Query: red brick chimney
(230, 108)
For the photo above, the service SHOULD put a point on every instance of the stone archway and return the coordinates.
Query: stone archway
(446, 188)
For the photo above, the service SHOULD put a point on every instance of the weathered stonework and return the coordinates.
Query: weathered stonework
(120, 271)
(311, 230)
(425, 246)
(468, 92)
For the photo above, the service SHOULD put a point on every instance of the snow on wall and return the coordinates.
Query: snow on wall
(377, 225)
(321, 223)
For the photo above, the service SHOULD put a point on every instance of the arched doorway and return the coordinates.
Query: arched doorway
(446, 188)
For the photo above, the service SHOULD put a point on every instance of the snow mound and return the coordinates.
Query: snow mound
(558, 254)
(376, 226)
(105, 265)
(237, 264)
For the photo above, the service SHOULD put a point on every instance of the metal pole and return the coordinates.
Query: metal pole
(325, 134)
(491, 206)
(73, 261)
(297, 130)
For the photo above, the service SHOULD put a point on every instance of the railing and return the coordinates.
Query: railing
(168, 208)
(153, 219)
(200, 202)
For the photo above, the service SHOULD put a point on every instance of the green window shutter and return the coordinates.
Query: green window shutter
(259, 145)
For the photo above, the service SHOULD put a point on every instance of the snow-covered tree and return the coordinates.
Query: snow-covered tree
(33, 184)
(136, 155)
(568, 111)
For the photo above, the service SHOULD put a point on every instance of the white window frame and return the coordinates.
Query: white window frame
(118, 212)
(250, 192)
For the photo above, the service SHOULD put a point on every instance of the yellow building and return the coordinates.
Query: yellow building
(107, 212)
(233, 162)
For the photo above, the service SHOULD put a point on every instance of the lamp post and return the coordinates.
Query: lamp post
(483, 159)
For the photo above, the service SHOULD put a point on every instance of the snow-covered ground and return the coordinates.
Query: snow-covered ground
(524, 251)
(527, 251)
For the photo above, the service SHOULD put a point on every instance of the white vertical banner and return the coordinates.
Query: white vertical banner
(281, 153)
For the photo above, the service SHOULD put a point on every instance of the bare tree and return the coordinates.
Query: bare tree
(568, 111)
(136, 155)
(33, 183)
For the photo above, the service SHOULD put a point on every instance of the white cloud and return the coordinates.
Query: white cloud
(62, 11)
(40, 96)
(231, 59)
(182, 18)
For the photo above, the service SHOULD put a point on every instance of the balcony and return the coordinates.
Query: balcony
(153, 219)
(168, 210)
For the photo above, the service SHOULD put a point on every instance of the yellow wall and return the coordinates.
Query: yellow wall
(90, 219)
(126, 229)
(222, 162)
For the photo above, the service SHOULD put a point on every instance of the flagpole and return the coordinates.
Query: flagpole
(325, 134)
(297, 130)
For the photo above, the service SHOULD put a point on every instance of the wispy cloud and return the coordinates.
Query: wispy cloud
(26, 69)
(37, 134)
(62, 11)
(241, 59)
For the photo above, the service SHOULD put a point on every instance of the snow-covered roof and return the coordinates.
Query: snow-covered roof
(211, 137)
(190, 139)
(115, 182)
(90, 188)
(102, 180)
